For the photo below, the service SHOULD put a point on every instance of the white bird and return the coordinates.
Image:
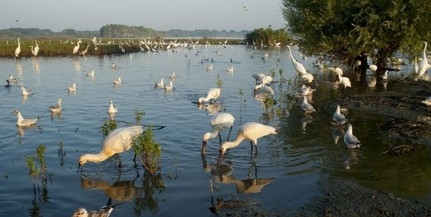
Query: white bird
(36, 48)
(73, 87)
(213, 93)
(345, 81)
(11, 79)
(251, 131)
(336, 70)
(219, 122)
(338, 117)
(372, 82)
(258, 77)
(173, 76)
(169, 87)
(416, 67)
(229, 69)
(210, 67)
(118, 141)
(117, 81)
(373, 67)
(263, 89)
(304, 90)
(18, 49)
(423, 65)
(82, 53)
(298, 66)
(307, 107)
(427, 101)
(112, 108)
(56, 108)
(114, 66)
(103, 211)
(76, 48)
(308, 77)
(351, 140)
(159, 84)
(91, 73)
(385, 75)
(21, 122)
(25, 92)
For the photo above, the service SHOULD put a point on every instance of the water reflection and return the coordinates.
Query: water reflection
(212, 108)
(21, 129)
(120, 190)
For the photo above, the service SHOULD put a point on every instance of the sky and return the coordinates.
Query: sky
(160, 15)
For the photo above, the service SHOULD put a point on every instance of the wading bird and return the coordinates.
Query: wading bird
(118, 141)
(298, 66)
(251, 131)
(423, 64)
(219, 122)
(213, 93)
(351, 140)
(18, 49)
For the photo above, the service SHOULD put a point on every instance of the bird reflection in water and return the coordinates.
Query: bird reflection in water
(120, 190)
(21, 129)
(211, 108)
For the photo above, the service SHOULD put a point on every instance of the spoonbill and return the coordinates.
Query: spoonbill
(251, 131)
(298, 66)
(56, 108)
(219, 122)
(338, 117)
(213, 93)
(112, 108)
(103, 211)
(21, 122)
(118, 141)
(351, 140)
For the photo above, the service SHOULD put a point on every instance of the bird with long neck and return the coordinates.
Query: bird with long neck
(213, 93)
(219, 122)
(118, 141)
(251, 131)
(423, 64)
(298, 66)
(18, 49)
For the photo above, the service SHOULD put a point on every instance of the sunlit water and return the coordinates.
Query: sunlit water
(301, 156)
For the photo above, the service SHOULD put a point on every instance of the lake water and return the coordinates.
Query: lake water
(294, 162)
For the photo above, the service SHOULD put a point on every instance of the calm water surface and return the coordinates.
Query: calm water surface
(295, 161)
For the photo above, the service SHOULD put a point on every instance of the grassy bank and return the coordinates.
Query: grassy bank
(65, 47)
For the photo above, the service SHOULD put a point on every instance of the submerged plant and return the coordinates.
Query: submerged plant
(219, 81)
(108, 126)
(138, 116)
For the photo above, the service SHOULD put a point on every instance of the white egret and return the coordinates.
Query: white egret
(18, 49)
(298, 66)
(423, 65)
(345, 81)
(76, 48)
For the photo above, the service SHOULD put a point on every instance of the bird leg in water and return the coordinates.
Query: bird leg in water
(219, 137)
(230, 130)
(119, 160)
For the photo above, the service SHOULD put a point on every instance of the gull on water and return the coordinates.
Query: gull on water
(338, 117)
(103, 211)
(26, 92)
(56, 108)
(117, 81)
(307, 107)
(73, 87)
(112, 108)
(159, 84)
(21, 122)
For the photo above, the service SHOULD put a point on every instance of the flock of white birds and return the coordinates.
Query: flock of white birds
(250, 131)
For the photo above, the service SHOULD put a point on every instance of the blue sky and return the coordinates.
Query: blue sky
(157, 14)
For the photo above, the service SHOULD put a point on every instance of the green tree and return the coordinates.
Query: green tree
(346, 28)
(267, 37)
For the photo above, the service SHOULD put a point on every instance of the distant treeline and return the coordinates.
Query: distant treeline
(117, 31)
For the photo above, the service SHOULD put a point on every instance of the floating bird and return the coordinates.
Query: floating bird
(159, 84)
(25, 92)
(351, 140)
(18, 49)
(21, 122)
(307, 107)
(73, 87)
(118, 141)
(251, 131)
(11, 80)
(218, 122)
(103, 211)
(112, 108)
(114, 66)
(91, 73)
(230, 69)
(298, 66)
(338, 117)
(169, 87)
(56, 108)
(117, 81)
(173, 76)
(213, 93)
(210, 67)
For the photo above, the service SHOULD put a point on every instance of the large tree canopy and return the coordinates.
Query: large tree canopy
(347, 28)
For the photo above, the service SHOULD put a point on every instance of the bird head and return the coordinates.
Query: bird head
(81, 162)
(200, 100)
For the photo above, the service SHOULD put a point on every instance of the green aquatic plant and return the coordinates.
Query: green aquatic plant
(148, 151)
(108, 126)
(138, 116)
(219, 81)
